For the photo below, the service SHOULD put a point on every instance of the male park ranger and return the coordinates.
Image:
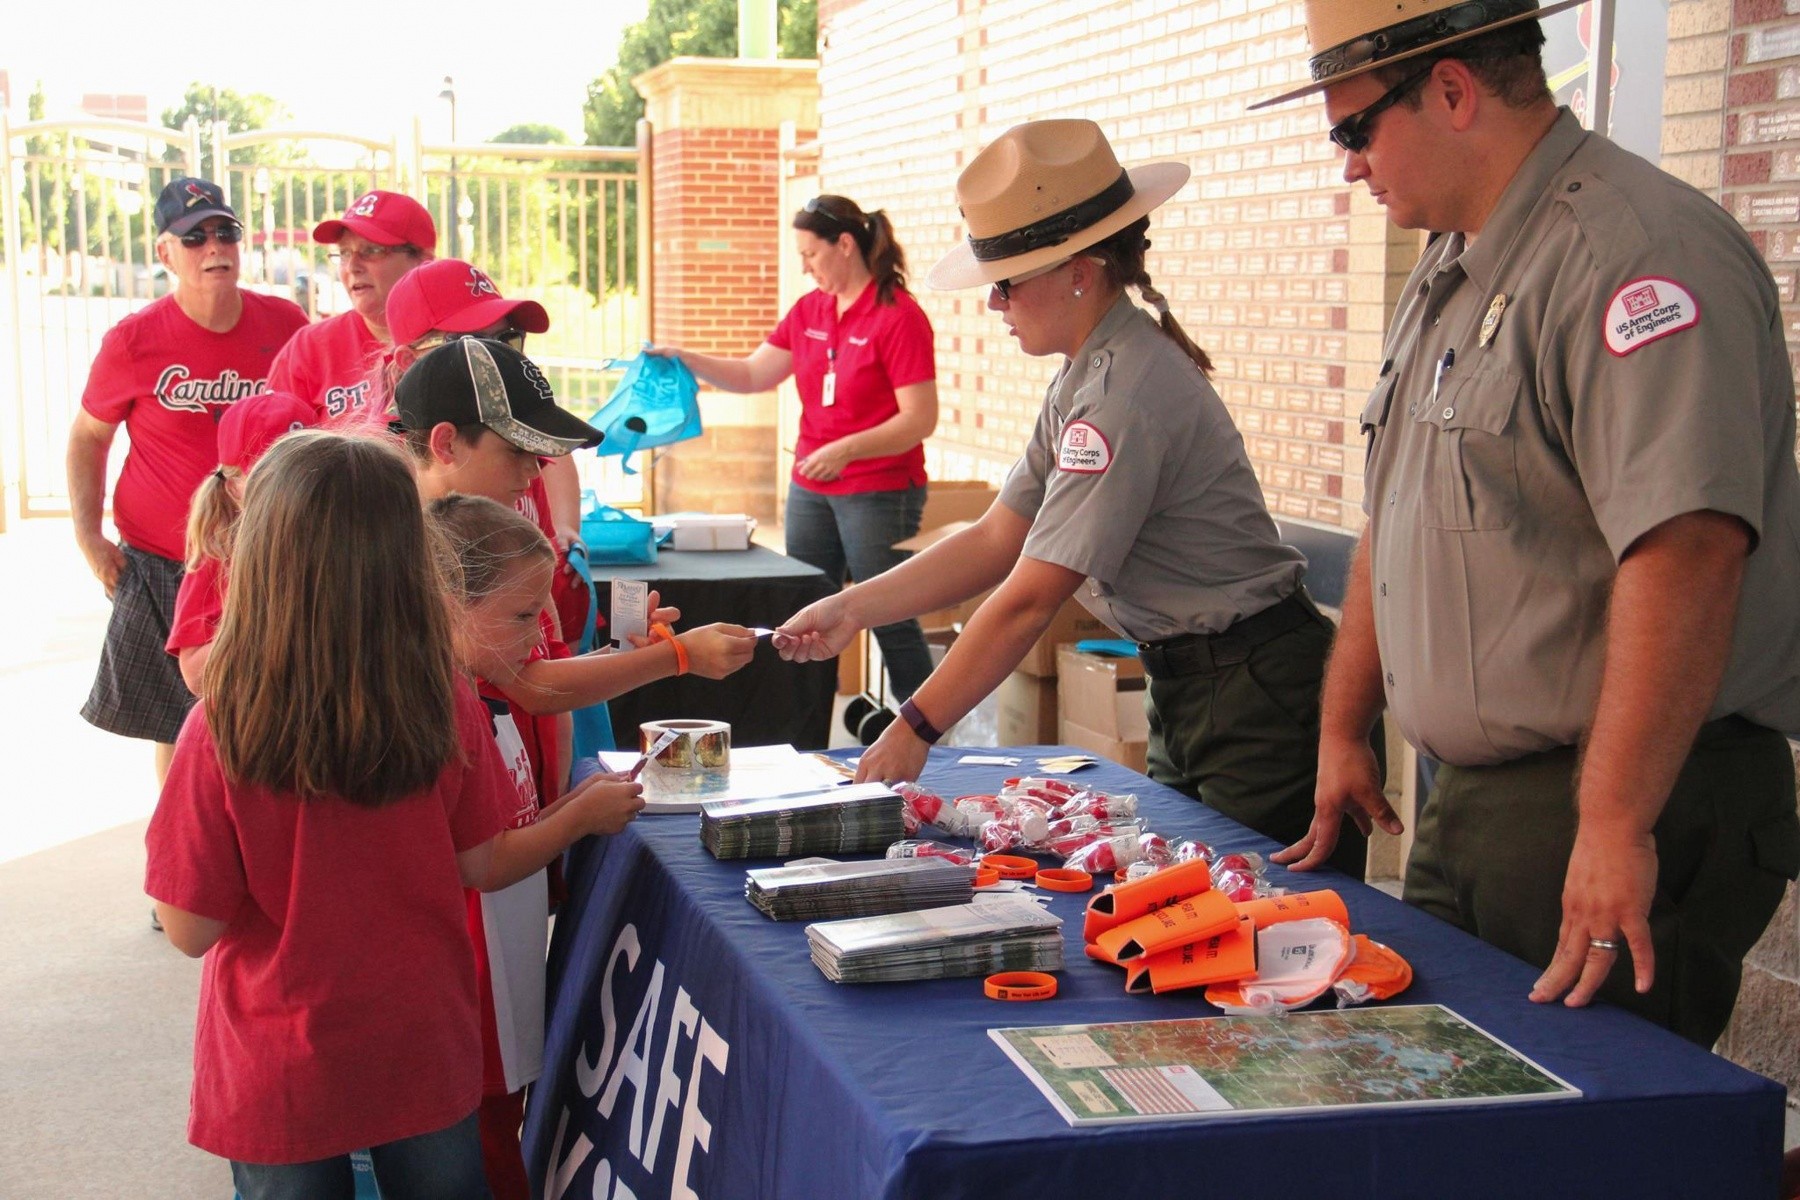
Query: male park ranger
(1576, 589)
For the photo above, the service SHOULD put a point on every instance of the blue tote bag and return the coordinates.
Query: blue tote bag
(657, 403)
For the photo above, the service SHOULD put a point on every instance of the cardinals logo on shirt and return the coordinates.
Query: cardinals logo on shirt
(364, 206)
(1083, 449)
(177, 390)
(481, 285)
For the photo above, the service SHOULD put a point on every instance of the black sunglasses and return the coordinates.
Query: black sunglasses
(1353, 132)
(227, 235)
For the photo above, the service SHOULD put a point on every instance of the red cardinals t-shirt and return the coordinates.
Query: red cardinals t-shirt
(169, 380)
(335, 364)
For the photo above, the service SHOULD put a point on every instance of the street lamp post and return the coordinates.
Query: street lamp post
(449, 93)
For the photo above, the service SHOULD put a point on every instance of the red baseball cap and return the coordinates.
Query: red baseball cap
(450, 296)
(385, 218)
(257, 422)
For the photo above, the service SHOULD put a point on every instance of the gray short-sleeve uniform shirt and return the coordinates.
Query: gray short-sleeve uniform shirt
(1137, 478)
(1607, 355)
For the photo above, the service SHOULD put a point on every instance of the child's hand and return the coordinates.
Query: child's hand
(715, 651)
(658, 614)
(605, 805)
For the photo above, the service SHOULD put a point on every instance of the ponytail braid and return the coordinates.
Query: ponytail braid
(1123, 254)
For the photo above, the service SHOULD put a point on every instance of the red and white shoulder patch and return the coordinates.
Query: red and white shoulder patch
(1083, 449)
(1647, 309)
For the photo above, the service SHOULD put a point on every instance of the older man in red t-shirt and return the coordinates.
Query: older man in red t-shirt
(167, 373)
(335, 363)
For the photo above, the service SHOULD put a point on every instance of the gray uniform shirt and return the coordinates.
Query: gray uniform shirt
(1618, 360)
(1137, 478)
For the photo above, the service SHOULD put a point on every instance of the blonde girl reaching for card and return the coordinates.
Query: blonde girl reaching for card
(500, 582)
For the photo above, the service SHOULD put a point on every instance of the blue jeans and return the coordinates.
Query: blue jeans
(852, 536)
(445, 1165)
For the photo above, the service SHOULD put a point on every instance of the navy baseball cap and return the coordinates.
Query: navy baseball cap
(481, 381)
(188, 201)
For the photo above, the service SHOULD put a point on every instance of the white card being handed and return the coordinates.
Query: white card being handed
(630, 611)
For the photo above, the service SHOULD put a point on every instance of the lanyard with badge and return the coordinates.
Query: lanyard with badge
(828, 396)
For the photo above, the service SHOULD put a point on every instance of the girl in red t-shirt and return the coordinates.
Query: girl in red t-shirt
(501, 586)
(246, 431)
(328, 801)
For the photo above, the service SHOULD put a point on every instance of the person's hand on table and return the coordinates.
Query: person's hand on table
(821, 630)
(1349, 785)
(715, 651)
(898, 755)
(104, 559)
(1607, 893)
(826, 463)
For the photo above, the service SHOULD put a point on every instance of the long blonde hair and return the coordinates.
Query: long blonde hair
(212, 517)
(484, 538)
(333, 673)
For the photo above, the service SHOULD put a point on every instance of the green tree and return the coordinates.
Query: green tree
(531, 134)
(671, 28)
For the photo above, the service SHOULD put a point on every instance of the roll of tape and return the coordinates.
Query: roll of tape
(698, 760)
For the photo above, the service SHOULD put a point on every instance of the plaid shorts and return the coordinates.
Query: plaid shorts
(138, 691)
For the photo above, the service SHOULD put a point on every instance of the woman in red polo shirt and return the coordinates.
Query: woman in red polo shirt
(859, 349)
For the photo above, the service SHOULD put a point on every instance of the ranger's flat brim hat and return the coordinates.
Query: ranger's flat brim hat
(1041, 192)
(1351, 37)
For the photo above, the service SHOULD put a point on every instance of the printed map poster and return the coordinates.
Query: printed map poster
(1311, 1061)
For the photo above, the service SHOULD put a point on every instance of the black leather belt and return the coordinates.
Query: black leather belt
(1208, 653)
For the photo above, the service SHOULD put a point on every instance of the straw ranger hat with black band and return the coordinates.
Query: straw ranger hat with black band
(1352, 37)
(1039, 193)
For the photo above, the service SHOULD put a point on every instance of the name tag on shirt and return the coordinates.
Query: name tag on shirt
(828, 395)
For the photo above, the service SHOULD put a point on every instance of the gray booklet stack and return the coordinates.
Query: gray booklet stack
(993, 933)
(818, 891)
(834, 820)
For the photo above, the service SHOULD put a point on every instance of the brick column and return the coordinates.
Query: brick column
(718, 238)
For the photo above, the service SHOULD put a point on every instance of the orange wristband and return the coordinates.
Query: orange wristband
(1064, 879)
(663, 633)
(1011, 866)
(1019, 985)
(987, 877)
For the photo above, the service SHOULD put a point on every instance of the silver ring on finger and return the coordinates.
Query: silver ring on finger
(1607, 944)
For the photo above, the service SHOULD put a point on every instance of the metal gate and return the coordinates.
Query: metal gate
(566, 225)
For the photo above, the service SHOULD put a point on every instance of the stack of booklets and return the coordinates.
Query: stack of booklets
(833, 820)
(993, 933)
(817, 891)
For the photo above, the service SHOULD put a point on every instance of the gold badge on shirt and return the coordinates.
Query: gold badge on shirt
(1490, 324)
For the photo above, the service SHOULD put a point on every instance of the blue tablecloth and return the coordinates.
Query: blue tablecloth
(694, 1050)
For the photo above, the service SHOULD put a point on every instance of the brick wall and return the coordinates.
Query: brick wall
(719, 237)
(1266, 257)
(1739, 138)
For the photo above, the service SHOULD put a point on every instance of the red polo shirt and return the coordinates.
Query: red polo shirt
(334, 364)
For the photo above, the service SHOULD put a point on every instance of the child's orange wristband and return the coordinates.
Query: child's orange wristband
(663, 633)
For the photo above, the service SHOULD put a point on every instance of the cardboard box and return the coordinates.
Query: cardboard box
(1073, 624)
(850, 664)
(953, 616)
(1128, 754)
(707, 531)
(1102, 695)
(1028, 714)
(949, 500)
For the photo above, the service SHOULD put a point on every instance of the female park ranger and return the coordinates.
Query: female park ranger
(860, 350)
(1135, 494)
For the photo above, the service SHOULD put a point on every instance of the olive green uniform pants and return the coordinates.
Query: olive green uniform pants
(1493, 845)
(1238, 730)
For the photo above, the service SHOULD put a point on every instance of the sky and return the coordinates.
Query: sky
(528, 62)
